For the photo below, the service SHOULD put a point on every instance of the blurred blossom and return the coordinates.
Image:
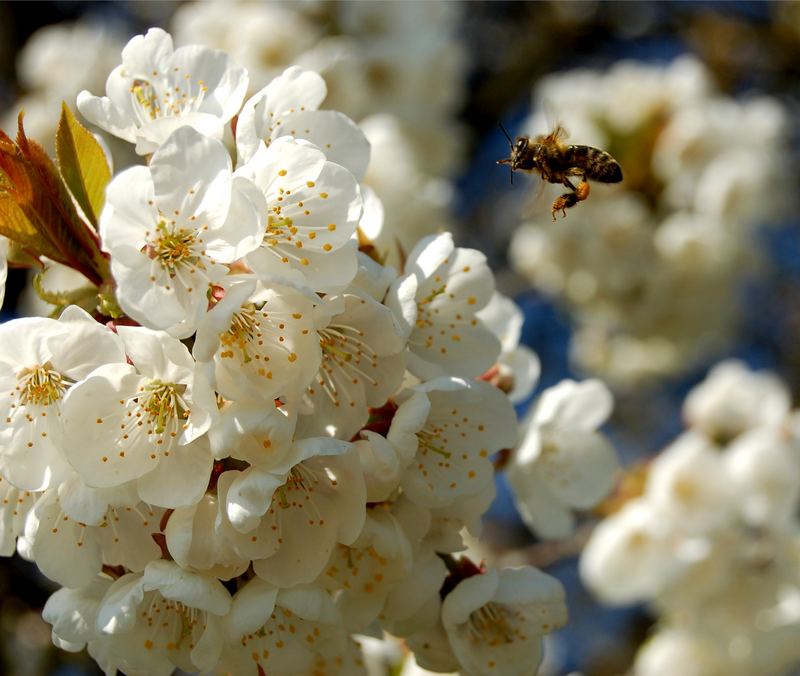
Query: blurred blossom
(264, 37)
(712, 544)
(56, 63)
(415, 204)
(650, 268)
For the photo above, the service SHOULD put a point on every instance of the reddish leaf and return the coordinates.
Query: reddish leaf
(37, 211)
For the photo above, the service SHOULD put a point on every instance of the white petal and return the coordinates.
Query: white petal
(191, 462)
(73, 612)
(585, 405)
(335, 134)
(251, 607)
(192, 178)
(63, 551)
(196, 591)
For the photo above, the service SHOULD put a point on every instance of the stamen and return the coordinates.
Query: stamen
(41, 385)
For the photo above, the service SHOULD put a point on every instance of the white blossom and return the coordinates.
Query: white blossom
(495, 621)
(733, 399)
(170, 228)
(287, 106)
(164, 617)
(40, 361)
(264, 443)
(196, 542)
(143, 421)
(259, 343)
(438, 298)
(313, 206)
(467, 422)
(518, 366)
(291, 517)
(72, 552)
(563, 463)
(363, 363)
(280, 631)
(157, 89)
(14, 507)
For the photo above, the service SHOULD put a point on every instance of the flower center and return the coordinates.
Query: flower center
(40, 385)
(431, 441)
(425, 314)
(301, 478)
(170, 623)
(146, 97)
(281, 237)
(164, 405)
(176, 248)
(492, 624)
(242, 332)
(344, 359)
(177, 97)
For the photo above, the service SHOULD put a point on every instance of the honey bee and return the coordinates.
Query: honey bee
(555, 161)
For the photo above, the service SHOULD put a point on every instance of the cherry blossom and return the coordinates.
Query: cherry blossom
(280, 631)
(164, 617)
(157, 89)
(170, 228)
(264, 443)
(287, 106)
(733, 399)
(517, 366)
(468, 422)
(438, 298)
(14, 507)
(563, 463)
(363, 363)
(143, 421)
(295, 515)
(73, 553)
(313, 208)
(495, 621)
(40, 361)
(259, 343)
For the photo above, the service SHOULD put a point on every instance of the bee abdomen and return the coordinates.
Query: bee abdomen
(597, 164)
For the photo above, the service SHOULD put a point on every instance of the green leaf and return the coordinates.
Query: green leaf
(18, 226)
(82, 163)
(38, 212)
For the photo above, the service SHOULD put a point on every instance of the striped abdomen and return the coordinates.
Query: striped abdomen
(596, 164)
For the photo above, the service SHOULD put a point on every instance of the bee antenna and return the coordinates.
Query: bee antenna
(510, 143)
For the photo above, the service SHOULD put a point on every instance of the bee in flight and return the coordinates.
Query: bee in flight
(555, 161)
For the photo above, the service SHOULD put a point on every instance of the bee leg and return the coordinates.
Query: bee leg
(567, 200)
(582, 191)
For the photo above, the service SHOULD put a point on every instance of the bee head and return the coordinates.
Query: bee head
(518, 150)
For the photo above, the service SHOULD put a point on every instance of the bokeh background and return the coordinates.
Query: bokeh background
(694, 258)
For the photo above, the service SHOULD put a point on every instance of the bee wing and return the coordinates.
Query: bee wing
(533, 202)
(553, 120)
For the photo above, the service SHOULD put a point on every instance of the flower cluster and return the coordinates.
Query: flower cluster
(399, 69)
(648, 270)
(712, 544)
(258, 441)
